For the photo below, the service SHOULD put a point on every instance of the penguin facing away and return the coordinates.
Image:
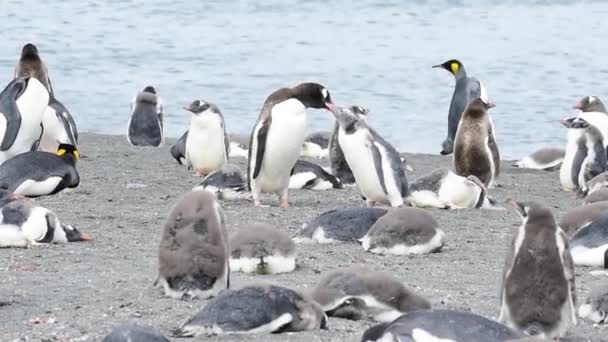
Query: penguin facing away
(194, 248)
(227, 183)
(591, 104)
(310, 176)
(339, 166)
(31, 65)
(277, 138)
(547, 158)
(178, 150)
(466, 90)
(475, 149)
(207, 144)
(538, 294)
(58, 127)
(146, 123)
(375, 163)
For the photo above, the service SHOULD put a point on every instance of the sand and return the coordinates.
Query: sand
(77, 291)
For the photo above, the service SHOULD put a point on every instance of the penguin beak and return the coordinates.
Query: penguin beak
(578, 106)
(331, 107)
(490, 105)
(438, 66)
(86, 237)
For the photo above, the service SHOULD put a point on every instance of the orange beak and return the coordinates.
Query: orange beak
(86, 237)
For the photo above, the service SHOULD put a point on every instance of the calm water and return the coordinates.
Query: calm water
(536, 58)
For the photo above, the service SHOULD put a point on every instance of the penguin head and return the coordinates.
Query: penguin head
(314, 95)
(149, 89)
(590, 104)
(74, 235)
(197, 106)
(478, 107)
(574, 123)
(68, 150)
(532, 211)
(359, 111)
(29, 50)
(453, 65)
(352, 308)
(7, 197)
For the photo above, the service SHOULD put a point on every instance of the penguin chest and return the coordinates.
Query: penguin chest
(567, 172)
(33, 188)
(205, 149)
(32, 105)
(358, 154)
(459, 191)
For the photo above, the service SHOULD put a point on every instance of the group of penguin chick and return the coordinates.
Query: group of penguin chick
(196, 256)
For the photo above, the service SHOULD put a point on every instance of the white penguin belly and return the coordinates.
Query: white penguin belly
(458, 191)
(54, 132)
(12, 236)
(38, 188)
(599, 120)
(565, 172)
(205, 149)
(283, 144)
(358, 155)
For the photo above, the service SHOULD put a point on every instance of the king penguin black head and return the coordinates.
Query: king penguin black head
(149, 89)
(68, 150)
(314, 95)
(453, 65)
(29, 50)
(197, 106)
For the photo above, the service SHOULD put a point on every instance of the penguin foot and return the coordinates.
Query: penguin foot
(284, 204)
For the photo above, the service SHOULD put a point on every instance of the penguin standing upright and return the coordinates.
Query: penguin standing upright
(31, 65)
(538, 293)
(339, 166)
(475, 149)
(207, 144)
(467, 89)
(595, 160)
(277, 138)
(146, 122)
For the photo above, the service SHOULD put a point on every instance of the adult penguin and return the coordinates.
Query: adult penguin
(31, 65)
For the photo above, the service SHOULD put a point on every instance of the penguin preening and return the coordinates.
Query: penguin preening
(538, 293)
(339, 166)
(31, 65)
(375, 163)
(146, 123)
(38, 173)
(466, 90)
(277, 138)
(207, 144)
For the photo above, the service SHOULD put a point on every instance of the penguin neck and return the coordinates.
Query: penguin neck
(70, 158)
(462, 74)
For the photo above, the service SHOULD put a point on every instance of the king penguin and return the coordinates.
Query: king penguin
(277, 138)
(146, 122)
(466, 90)
(31, 65)
(58, 126)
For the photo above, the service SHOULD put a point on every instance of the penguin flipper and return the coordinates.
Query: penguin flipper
(261, 145)
(12, 115)
(494, 149)
(378, 165)
(226, 143)
(36, 143)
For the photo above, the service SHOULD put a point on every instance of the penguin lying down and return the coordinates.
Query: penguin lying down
(595, 307)
(134, 333)
(589, 245)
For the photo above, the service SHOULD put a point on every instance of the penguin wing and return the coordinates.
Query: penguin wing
(12, 115)
(260, 133)
(36, 143)
(178, 151)
(226, 142)
(494, 148)
(378, 164)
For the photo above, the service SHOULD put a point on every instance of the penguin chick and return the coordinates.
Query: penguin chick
(339, 166)
(146, 123)
(595, 307)
(596, 183)
(307, 175)
(263, 249)
(227, 183)
(590, 243)
(547, 158)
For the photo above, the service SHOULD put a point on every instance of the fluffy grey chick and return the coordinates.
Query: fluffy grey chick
(263, 249)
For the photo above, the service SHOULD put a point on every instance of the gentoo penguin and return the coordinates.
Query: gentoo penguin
(134, 333)
(475, 149)
(25, 224)
(58, 126)
(591, 152)
(262, 249)
(359, 293)
(146, 122)
(316, 145)
(404, 231)
(538, 295)
(22, 105)
(258, 308)
(596, 119)
(194, 248)
(375, 163)
(440, 326)
(596, 183)
(207, 145)
(576, 151)
(597, 196)
(467, 89)
(590, 243)
(178, 150)
(227, 183)
(591, 104)
(339, 225)
(277, 138)
(547, 158)
(31, 65)
(310, 176)
(38, 173)
(239, 145)
(595, 307)
(444, 189)
(576, 218)
(339, 166)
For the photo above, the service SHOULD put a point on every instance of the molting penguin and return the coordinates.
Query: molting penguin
(538, 293)
(24, 224)
(339, 166)
(595, 307)
(316, 145)
(277, 138)
(578, 217)
(178, 150)
(22, 105)
(146, 122)
(440, 326)
(227, 183)
(358, 293)
(547, 158)
(255, 309)
(467, 89)
(376, 164)
(404, 231)
(591, 104)
(262, 249)
(207, 145)
(239, 145)
(307, 175)
(193, 253)
(31, 65)
(576, 151)
(591, 153)
(38, 173)
(475, 149)
(58, 126)
(345, 224)
(589, 244)
(134, 333)
(443, 189)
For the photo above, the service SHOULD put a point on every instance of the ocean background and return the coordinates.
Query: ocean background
(536, 59)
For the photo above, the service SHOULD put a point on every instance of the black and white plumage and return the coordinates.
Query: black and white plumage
(598, 182)
(310, 176)
(194, 248)
(38, 173)
(595, 307)
(578, 217)
(466, 90)
(589, 244)
(339, 166)
(277, 138)
(22, 106)
(58, 127)
(441, 326)
(178, 150)
(359, 293)
(134, 333)
(255, 309)
(262, 249)
(31, 65)
(375, 163)
(546, 158)
(599, 195)
(228, 183)
(339, 225)
(316, 145)
(538, 294)
(145, 126)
